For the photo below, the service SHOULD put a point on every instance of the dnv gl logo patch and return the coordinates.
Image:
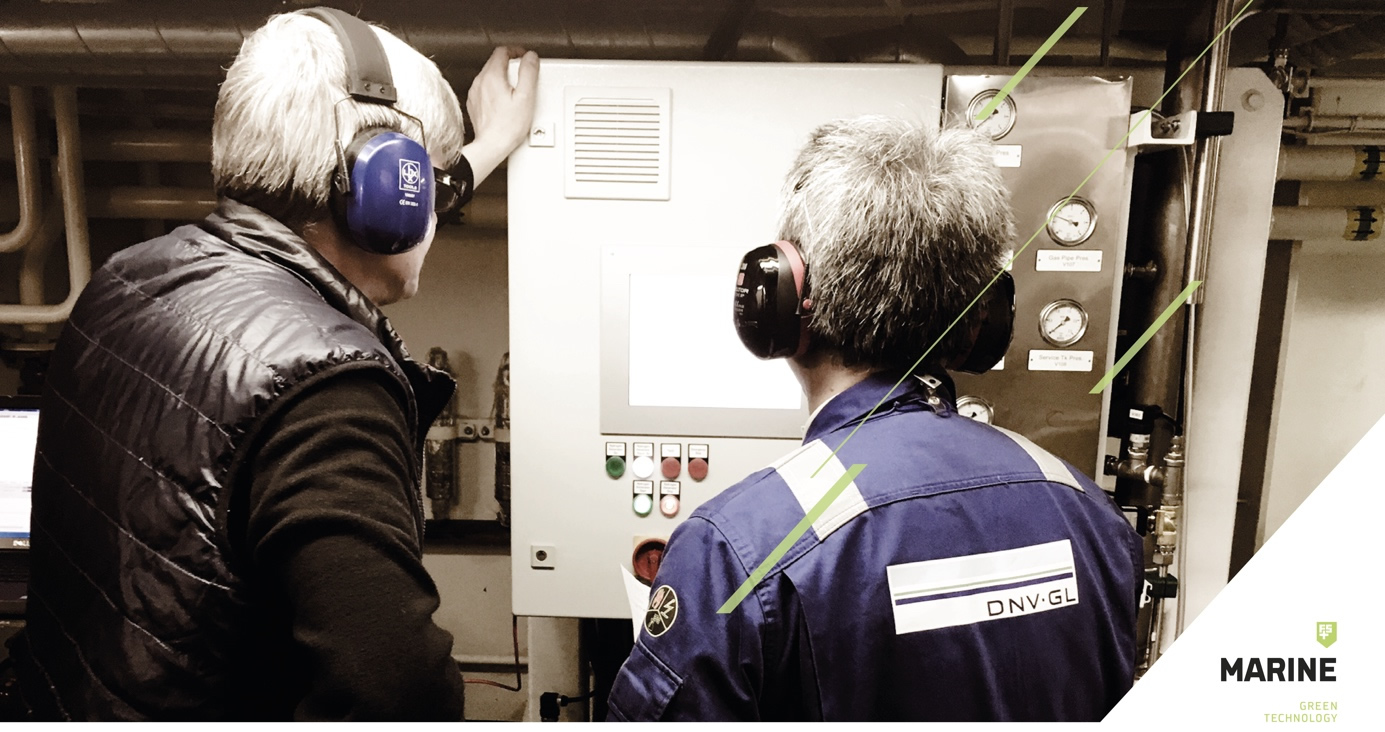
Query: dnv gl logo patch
(410, 175)
(1327, 634)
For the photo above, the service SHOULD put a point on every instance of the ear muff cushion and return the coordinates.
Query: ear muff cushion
(389, 209)
(802, 304)
(997, 327)
(768, 313)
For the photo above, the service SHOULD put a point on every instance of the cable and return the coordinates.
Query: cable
(519, 680)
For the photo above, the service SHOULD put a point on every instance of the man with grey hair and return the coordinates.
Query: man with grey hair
(226, 518)
(961, 572)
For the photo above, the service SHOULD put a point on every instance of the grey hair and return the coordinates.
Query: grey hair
(901, 227)
(274, 130)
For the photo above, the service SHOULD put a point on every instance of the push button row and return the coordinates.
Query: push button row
(642, 463)
(670, 493)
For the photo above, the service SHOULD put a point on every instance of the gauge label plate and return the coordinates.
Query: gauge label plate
(1060, 360)
(1068, 260)
(1008, 156)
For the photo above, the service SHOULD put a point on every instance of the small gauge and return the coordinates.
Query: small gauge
(976, 408)
(1001, 121)
(1063, 322)
(1072, 221)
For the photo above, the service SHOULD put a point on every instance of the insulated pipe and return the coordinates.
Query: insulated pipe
(1354, 223)
(151, 202)
(74, 217)
(25, 170)
(1341, 193)
(1363, 163)
(1157, 370)
(179, 40)
(149, 146)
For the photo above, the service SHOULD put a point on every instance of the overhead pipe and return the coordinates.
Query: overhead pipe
(139, 146)
(25, 170)
(177, 40)
(74, 217)
(149, 146)
(1322, 162)
(1309, 122)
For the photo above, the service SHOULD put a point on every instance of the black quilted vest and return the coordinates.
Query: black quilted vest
(176, 352)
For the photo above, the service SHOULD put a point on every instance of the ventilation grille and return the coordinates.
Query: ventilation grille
(618, 144)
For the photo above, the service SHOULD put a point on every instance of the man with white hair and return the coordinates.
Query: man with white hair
(963, 573)
(226, 520)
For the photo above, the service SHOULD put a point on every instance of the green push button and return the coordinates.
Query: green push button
(644, 503)
(615, 466)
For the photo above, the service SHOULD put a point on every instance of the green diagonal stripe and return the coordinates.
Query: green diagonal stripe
(1042, 226)
(1149, 333)
(1030, 64)
(754, 579)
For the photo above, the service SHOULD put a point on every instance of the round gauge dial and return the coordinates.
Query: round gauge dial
(976, 408)
(1072, 221)
(1001, 121)
(1063, 322)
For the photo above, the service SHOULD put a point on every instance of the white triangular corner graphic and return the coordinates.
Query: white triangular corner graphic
(1321, 566)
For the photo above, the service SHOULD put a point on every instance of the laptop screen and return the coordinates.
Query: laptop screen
(18, 436)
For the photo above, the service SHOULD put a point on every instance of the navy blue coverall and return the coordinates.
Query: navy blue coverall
(965, 574)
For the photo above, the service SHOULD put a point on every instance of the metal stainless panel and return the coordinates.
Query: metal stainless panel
(1064, 130)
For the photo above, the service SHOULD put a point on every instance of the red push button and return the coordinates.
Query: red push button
(697, 468)
(668, 506)
(646, 559)
(672, 466)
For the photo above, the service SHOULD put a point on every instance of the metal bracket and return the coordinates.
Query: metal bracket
(1176, 131)
(469, 430)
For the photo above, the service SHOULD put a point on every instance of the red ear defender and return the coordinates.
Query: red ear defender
(773, 305)
(803, 302)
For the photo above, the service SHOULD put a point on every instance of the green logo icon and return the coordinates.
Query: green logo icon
(1327, 634)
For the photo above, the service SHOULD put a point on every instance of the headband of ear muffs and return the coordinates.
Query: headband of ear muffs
(773, 302)
(382, 192)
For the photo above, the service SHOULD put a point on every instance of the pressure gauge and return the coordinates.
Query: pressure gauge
(1001, 121)
(1063, 322)
(1071, 221)
(976, 408)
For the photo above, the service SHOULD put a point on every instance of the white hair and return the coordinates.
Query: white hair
(901, 227)
(274, 130)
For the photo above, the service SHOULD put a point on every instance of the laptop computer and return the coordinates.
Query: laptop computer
(18, 438)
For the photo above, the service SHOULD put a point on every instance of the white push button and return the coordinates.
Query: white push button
(642, 467)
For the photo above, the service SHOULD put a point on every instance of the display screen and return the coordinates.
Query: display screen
(684, 351)
(18, 436)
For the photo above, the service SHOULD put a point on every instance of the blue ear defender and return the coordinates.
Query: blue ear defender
(383, 186)
(385, 191)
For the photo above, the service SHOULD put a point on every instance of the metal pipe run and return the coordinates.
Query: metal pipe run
(25, 170)
(74, 217)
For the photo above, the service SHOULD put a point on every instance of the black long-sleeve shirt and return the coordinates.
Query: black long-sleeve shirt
(330, 535)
